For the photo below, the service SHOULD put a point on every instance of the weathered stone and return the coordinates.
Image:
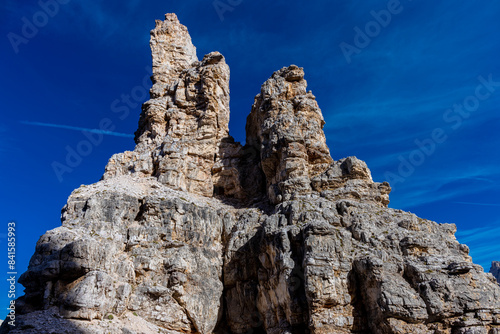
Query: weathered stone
(183, 129)
(286, 127)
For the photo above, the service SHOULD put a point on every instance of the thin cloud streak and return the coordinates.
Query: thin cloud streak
(430, 189)
(482, 242)
(478, 234)
(68, 127)
(481, 204)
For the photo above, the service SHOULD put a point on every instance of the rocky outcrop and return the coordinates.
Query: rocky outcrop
(130, 246)
(495, 270)
(353, 267)
(194, 233)
(286, 127)
(183, 136)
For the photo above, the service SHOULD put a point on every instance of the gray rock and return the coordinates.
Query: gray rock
(286, 127)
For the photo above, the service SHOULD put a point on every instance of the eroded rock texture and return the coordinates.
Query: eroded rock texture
(286, 127)
(195, 233)
(183, 136)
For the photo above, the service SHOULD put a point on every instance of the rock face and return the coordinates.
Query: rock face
(195, 233)
(495, 270)
(183, 136)
(286, 127)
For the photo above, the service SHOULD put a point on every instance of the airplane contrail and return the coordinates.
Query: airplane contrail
(483, 204)
(68, 127)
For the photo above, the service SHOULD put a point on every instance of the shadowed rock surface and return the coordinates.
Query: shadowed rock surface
(194, 233)
(495, 270)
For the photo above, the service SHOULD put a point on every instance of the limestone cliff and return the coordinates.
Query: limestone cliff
(194, 233)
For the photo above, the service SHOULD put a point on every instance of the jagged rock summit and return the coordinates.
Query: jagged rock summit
(194, 233)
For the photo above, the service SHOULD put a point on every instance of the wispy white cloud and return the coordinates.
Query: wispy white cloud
(401, 97)
(480, 233)
(479, 204)
(431, 187)
(68, 127)
(483, 243)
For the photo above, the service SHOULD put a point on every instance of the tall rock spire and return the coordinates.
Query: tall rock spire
(183, 135)
(172, 50)
(183, 124)
(286, 127)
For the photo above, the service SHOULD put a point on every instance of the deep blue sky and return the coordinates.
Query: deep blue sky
(396, 88)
